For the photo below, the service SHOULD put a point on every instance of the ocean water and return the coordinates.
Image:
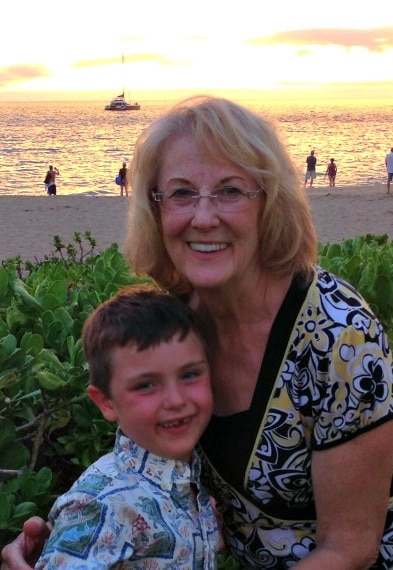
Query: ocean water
(88, 144)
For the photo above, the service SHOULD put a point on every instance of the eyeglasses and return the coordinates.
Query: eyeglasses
(227, 199)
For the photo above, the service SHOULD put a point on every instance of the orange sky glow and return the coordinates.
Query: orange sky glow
(283, 50)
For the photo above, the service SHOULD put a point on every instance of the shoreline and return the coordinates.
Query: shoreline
(29, 223)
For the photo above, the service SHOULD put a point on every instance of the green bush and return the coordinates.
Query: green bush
(49, 429)
(367, 263)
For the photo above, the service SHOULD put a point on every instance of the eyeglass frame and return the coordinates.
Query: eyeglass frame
(159, 197)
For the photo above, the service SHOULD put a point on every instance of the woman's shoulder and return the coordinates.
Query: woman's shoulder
(338, 294)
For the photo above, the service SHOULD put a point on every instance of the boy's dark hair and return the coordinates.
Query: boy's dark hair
(141, 315)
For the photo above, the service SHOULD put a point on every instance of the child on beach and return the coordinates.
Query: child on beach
(142, 505)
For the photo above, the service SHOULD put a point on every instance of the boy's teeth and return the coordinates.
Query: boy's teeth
(176, 423)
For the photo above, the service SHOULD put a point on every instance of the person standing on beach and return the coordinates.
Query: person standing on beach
(50, 180)
(311, 174)
(124, 182)
(389, 168)
(331, 171)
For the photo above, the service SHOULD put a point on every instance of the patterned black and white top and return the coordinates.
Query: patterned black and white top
(325, 378)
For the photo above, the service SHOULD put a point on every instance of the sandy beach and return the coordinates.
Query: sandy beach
(28, 224)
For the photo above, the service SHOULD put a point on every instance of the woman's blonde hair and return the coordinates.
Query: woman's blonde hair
(286, 232)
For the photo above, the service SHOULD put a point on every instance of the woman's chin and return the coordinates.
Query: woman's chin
(206, 281)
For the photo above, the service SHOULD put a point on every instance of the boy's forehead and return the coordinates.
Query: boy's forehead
(152, 341)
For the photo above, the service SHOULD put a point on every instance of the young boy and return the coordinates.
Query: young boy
(141, 506)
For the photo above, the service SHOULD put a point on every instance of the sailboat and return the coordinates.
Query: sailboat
(119, 102)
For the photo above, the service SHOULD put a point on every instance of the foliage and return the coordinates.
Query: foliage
(49, 430)
(367, 263)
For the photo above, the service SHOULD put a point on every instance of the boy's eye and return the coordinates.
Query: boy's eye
(193, 373)
(144, 386)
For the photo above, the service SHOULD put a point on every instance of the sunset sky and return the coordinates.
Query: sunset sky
(72, 49)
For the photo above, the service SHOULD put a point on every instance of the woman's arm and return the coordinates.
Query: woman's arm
(24, 551)
(351, 484)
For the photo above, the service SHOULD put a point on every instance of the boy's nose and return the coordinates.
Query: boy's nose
(174, 396)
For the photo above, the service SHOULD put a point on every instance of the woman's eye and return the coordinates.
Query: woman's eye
(182, 193)
(230, 192)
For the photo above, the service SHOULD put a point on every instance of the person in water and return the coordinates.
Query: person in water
(50, 180)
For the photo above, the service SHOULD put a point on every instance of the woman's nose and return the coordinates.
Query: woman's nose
(205, 212)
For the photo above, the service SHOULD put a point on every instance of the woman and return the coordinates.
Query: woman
(123, 173)
(331, 171)
(299, 451)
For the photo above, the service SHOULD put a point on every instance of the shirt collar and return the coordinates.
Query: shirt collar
(162, 472)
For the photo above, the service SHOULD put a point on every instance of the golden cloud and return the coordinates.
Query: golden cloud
(377, 39)
(133, 58)
(19, 73)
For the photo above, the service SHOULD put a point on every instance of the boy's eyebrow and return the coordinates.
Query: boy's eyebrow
(150, 373)
(195, 363)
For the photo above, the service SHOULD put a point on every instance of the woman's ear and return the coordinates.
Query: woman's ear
(103, 402)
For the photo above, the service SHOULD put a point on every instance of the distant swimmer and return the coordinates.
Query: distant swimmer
(331, 171)
(50, 180)
(389, 168)
(311, 174)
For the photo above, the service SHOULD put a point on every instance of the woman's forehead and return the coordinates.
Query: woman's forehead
(186, 147)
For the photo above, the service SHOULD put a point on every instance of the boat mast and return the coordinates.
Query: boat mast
(122, 66)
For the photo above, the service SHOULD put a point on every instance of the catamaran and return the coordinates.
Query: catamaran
(119, 103)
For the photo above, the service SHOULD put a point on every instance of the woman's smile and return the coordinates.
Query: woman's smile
(208, 247)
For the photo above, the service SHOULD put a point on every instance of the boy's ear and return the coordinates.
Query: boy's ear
(103, 403)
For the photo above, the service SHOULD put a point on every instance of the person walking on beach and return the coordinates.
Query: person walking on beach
(311, 174)
(50, 180)
(389, 168)
(331, 171)
(124, 182)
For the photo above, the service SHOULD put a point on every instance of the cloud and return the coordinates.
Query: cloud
(19, 73)
(133, 58)
(384, 83)
(377, 39)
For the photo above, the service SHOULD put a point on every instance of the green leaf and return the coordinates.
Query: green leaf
(15, 319)
(7, 432)
(32, 343)
(6, 504)
(48, 356)
(4, 281)
(9, 343)
(334, 250)
(50, 381)
(49, 302)
(58, 289)
(15, 360)
(63, 317)
(14, 455)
